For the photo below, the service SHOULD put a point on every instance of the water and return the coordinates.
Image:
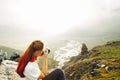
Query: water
(63, 54)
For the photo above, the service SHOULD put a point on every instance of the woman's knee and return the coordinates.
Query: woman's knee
(58, 70)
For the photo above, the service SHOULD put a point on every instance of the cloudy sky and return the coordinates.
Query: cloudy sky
(26, 20)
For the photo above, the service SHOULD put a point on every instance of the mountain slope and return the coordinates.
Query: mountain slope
(102, 64)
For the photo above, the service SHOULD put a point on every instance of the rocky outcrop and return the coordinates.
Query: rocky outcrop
(7, 70)
(84, 52)
(84, 49)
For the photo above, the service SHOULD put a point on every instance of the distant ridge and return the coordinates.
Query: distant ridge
(9, 50)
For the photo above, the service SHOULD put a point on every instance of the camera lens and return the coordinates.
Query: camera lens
(48, 51)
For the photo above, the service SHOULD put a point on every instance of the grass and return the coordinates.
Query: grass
(110, 52)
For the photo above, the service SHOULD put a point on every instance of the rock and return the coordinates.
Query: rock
(94, 50)
(108, 68)
(87, 63)
(7, 70)
(95, 65)
(0, 60)
(116, 67)
(84, 49)
(78, 76)
(15, 57)
(110, 43)
(95, 72)
(103, 65)
(75, 76)
(71, 74)
(98, 66)
(114, 60)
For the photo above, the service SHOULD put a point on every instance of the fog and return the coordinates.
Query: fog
(22, 21)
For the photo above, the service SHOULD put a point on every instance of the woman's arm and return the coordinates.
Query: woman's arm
(41, 76)
(44, 67)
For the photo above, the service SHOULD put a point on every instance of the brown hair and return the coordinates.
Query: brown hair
(27, 56)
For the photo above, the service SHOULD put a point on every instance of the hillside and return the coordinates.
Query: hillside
(9, 50)
(101, 64)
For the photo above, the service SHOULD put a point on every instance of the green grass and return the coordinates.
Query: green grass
(110, 52)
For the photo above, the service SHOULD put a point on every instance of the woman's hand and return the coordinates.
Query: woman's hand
(45, 55)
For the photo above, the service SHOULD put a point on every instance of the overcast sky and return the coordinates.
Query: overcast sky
(40, 19)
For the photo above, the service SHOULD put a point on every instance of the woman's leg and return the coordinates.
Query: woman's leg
(57, 74)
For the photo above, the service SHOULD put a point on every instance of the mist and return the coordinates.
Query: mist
(24, 21)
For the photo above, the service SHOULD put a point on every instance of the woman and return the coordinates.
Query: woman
(28, 66)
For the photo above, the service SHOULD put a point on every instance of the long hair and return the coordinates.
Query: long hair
(27, 56)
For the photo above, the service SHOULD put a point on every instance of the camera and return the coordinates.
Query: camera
(47, 51)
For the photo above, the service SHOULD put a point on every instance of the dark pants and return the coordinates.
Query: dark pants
(57, 74)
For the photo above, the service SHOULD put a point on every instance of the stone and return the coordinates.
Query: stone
(108, 68)
(95, 72)
(103, 65)
(78, 76)
(71, 74)
(116, 67)
(0, 60)
(15, 57)
(84, 49)
(114, 60)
